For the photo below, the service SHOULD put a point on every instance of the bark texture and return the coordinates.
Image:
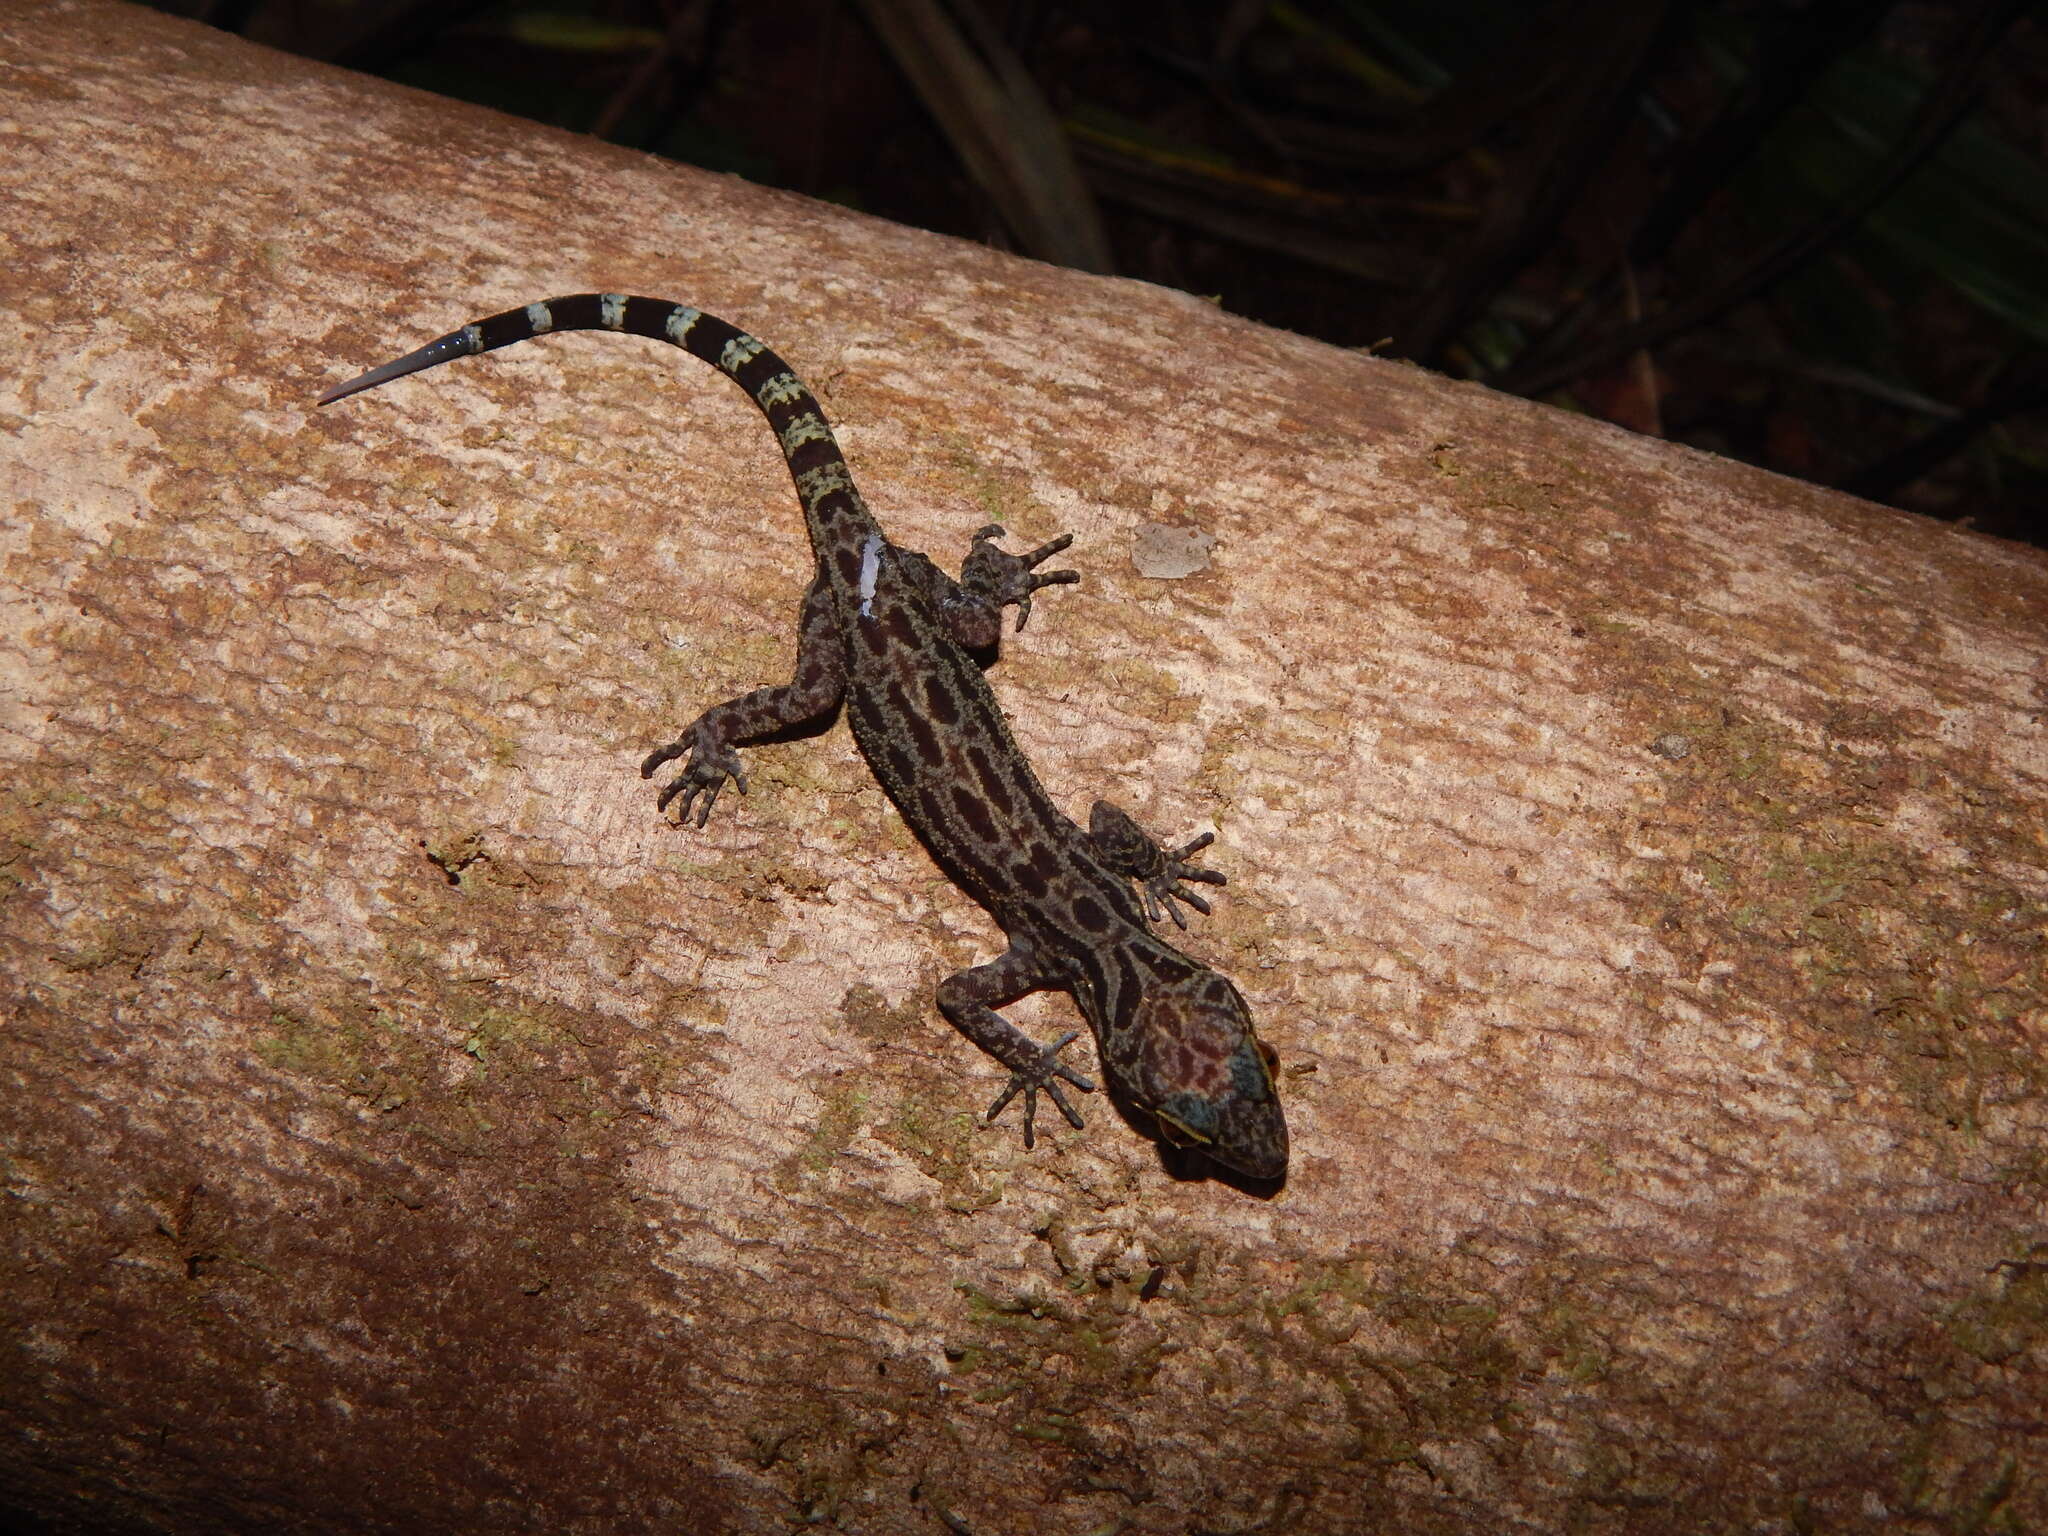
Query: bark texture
(1636, 859)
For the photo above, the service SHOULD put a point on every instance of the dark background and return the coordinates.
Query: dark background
(1810, 235)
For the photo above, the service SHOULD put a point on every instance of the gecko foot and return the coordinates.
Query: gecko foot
(1004, 578)
(1044, 1072)
(1165, 888)
(710, 765)
(1161, 872)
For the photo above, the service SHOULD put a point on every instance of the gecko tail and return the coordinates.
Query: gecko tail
(823, 482)
(466, 342)
(725, 347)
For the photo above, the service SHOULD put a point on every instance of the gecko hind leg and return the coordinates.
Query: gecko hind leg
(969, 1000)
(813, 692)
(991, 579)
(1161, 872)
(1004, 578)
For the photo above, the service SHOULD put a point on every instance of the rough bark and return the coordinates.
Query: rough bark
(1636, 860)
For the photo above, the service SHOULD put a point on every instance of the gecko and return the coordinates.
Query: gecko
(888, 637)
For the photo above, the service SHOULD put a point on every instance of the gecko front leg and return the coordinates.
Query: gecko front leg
(708, 741)
(969, 1000)
(1160, 872)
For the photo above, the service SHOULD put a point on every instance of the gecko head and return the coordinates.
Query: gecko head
(1205, 1077)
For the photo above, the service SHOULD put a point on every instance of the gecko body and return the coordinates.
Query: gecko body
(888, 636)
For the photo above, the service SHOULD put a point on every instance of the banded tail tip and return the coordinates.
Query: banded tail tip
(462, 343)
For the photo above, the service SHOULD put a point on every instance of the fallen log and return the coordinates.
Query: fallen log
(1636, 861)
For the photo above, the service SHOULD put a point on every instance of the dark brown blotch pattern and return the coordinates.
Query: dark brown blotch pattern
(930, 727)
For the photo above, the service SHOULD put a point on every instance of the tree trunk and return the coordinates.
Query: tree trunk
(1635, 859)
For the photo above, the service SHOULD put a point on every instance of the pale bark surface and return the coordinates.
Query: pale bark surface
(404, 1129)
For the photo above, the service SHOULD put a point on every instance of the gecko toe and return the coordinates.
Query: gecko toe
(1052, 1086)
(1043, 1073)
(710, 766)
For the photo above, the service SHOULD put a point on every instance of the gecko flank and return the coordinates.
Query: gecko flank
(888, 635)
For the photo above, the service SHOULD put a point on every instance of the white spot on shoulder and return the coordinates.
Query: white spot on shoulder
(870, 571)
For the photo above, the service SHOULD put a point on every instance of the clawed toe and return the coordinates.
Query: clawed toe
(708, 770)
(1044, 1073)
(1165, 891)
(1005, 578)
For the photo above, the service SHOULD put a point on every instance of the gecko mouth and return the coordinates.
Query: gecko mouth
(1264, 1163)
(1176, 1133)
(1251, 1140)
